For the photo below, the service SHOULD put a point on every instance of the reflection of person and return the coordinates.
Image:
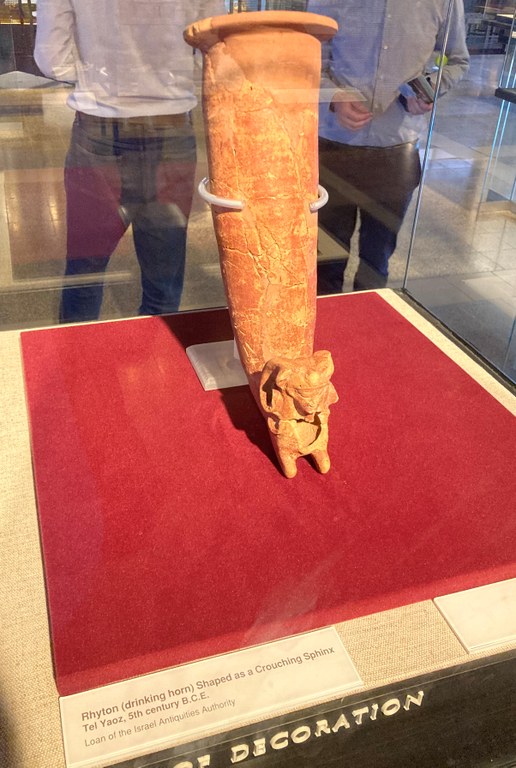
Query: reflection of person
(368, 150)
(132, 152)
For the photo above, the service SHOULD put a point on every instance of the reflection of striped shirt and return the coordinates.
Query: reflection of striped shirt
(380, 45)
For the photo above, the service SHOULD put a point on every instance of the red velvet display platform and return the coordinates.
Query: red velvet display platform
(168, 532)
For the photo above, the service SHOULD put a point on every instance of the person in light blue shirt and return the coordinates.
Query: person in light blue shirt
(371, 120)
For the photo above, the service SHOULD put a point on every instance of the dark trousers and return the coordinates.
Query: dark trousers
(137, 171)
(377, 183)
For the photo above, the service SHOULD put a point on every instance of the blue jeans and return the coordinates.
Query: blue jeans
(137, 171)
(379, 183)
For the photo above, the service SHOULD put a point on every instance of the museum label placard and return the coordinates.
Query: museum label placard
(135, 716)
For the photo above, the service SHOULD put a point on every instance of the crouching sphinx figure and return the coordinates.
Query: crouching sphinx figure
(297, 395)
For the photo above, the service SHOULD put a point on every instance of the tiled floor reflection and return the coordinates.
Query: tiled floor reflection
(463, 260)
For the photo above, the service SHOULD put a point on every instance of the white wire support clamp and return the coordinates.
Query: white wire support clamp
(222, 202)
(238, 205)
(321, 200)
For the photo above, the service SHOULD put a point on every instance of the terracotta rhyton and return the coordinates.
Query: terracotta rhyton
(261, 77)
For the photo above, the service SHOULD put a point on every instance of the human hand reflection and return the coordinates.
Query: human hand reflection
(353, 115)
(417, 106)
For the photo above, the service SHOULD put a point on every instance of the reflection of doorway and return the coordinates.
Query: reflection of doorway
(499, 189)
(17, 33)
(488, 25)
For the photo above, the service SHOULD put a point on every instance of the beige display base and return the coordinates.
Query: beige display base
(385, 647)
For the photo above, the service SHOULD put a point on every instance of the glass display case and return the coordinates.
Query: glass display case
(169, 598)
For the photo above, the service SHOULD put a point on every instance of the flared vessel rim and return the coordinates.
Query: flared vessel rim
(321, 27)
